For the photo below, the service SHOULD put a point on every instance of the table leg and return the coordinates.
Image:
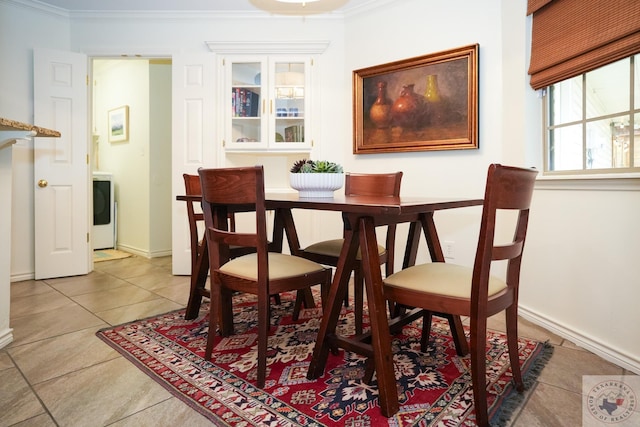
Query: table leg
(198, 282)
(425, 222)
(380, 337)
(431, 234)
(413, 239)
(283, 224)
(281, 219)
(334, 299)
(435, 250)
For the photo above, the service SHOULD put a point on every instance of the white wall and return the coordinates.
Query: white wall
(580, 274)
(580, 271)
(160, 158)
(413, 28)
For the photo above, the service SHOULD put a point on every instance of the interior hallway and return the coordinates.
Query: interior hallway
(56, 372)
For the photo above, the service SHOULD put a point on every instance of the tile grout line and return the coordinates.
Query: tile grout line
(33, 391)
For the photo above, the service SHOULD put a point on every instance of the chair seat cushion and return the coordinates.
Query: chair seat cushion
(280, 266)
(333, 248)
(440, 278)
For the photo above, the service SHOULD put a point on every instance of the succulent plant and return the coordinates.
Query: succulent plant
(298, 165)
(316, 166)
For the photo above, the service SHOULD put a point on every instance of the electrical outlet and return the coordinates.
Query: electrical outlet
(449, 249)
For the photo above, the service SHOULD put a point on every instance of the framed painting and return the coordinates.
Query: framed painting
(119, 124)
(418, 104)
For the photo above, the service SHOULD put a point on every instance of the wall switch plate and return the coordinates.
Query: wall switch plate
(448, 248)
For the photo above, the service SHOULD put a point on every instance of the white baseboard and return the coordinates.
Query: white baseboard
(6, 337)
(612, 355)
(143, 253)
(160, 254)
(22, 277)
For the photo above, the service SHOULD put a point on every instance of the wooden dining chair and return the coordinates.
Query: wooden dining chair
(198, 248)
(327, 252)
(262, 273)
(473, 291)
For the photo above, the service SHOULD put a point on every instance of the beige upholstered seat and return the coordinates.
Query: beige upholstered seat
(261, 273)
(333, 248)
(440, 279)
(280, 266)
(445, 288)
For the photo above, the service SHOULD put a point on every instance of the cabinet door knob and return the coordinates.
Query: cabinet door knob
(43, 183)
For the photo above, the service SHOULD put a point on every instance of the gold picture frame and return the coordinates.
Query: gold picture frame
(418, 104)
(119, 124)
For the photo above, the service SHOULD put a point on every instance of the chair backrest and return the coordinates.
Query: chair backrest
(192, 184)
(507, 188)
(227, 190)
(377, 184)
(372, 184)
(192, 188)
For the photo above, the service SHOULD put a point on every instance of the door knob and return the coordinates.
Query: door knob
(42, 183)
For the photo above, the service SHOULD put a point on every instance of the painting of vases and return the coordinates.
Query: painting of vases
(425, 103)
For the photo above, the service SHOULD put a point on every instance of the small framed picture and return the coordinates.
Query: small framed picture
(119, 124)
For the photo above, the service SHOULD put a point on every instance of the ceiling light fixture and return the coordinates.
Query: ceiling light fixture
(303, 2)
(299, 7)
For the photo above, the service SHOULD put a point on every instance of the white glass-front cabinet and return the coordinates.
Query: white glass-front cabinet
(267, 103)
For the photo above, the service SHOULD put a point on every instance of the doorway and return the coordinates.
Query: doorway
(138, 161)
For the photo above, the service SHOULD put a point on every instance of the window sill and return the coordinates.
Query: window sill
(617, 182)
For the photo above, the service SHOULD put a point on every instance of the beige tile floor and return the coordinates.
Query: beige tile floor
(56, 372)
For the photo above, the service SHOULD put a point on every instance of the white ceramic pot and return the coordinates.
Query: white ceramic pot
(316, 184)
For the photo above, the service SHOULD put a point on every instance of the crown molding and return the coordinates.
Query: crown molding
(269, 47)
(177, 15)
(39, 6)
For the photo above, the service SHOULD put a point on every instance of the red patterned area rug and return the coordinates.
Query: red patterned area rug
(434, 387)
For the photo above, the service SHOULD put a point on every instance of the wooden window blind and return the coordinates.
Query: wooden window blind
(572, 37)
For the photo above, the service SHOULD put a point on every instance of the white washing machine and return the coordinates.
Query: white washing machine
(104, 211)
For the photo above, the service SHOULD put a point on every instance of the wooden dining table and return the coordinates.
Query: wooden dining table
(361, 215)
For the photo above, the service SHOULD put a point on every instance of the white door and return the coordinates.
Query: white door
(194, 144)
(61, 165)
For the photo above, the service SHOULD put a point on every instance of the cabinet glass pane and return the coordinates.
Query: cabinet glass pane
(289, 101)
(246, 101)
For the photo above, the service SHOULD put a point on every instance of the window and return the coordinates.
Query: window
(592, 121)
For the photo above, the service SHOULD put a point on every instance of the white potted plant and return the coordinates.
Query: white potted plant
(316, 178)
